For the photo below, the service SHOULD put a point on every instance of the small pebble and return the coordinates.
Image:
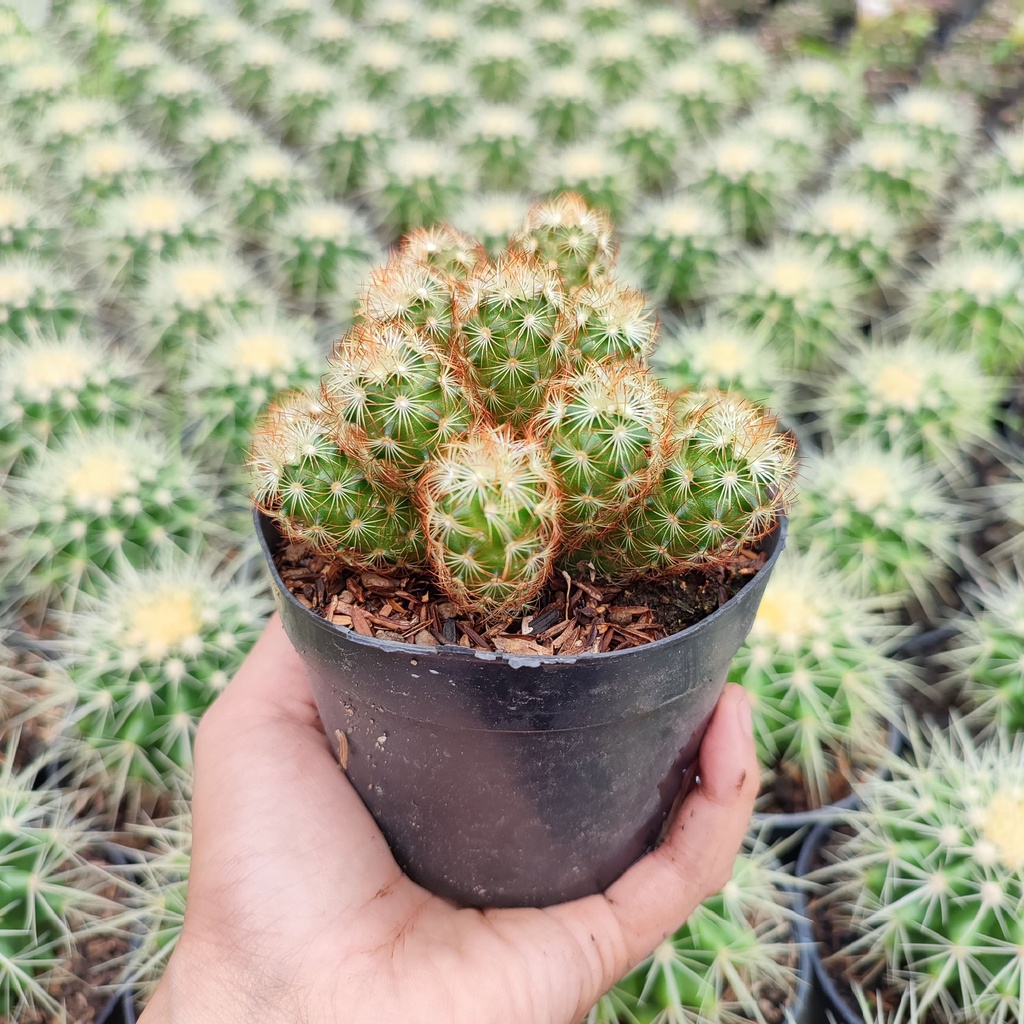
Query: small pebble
(425, 638)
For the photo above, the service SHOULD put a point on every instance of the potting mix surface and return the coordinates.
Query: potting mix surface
(570, 616)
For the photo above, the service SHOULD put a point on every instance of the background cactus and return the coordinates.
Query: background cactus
(882, 517)
(821, 688)
(97, 497)
(146, 658)
(544, 356)
(51, 889)
(929, 884)
(988, 659)
(733, 954)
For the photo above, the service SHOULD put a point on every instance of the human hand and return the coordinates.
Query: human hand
(298, 914)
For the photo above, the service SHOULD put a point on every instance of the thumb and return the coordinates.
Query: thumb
(655, 896)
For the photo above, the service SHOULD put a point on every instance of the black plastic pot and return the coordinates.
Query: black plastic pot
(805, 1006)
(507, 780)
(778, 826)
(832, 999)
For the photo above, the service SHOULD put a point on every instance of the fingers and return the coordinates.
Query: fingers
(654, 897)
(271, 681)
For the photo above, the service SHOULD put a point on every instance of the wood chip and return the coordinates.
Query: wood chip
(359, 621)
(519, 645)
(342, 748)
(342, 620)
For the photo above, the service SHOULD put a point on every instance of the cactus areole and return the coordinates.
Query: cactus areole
(490, 429)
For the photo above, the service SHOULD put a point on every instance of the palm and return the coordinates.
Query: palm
(289, 867)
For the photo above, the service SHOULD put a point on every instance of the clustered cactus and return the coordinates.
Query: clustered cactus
(493, 420)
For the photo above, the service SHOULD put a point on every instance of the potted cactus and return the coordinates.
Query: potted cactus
(492, 531)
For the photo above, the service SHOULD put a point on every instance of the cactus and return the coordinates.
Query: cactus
(239, 371)
(702, 101)
(322, 249)
(393, 19)
(52, 387)
(741, 64)
(51, 890)
(492, 217)
(133, 232)
(726, 473)
(499, 66)
(617, 63)
(27, 228)
(641, 136)
(418, 183)
(130, 68)
(928, 887)
(441, 37)
(881, 517)
(147, 656)
(350, 141)
(181, 23)
(553, 38)
(911, 395)
(942, 125)
(1002, 165)
(569, 238)
(975, 301)
(300, 95)
(330, 38)
(261, 185)
(723, 355)
(676, 246)
(109, 167)
(792, 134)
(565, 108)
(594, 172)
(216, 47)
(95, 498)
(379, 68)
(288, 20)
(215, 141)
(670, 35)
(190, 297)
(250, 68)
(33, 88)
(500, 145)
(175, 94)
(989, 652)
(887, 165)
(69, 123)
(156, 904)
(750, 182)
(485, 421)
(992, 221)
(436, 103)
(808, 303)
(35, 297)
(733, 955)
(820, 687)
(600, 17)
(856, 232)
(19, 168)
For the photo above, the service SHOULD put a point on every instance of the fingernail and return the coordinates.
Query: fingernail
(745, 714)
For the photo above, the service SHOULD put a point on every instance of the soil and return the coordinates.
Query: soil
(788, 793)
(570, 616)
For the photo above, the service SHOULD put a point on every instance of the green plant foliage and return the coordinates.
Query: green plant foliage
(733, 955)
(36, 298)
(96, 498)
(820, 686)
(988, 659)
(974, 301)
(721, 354)
(500, 144)
(881, 517)
(146, 657)
(418, 183)
(912, 395)
(930, 885)
(510, 404)
(350, 141)
(53, 387)
(807, 303)
(51, 890)
(991, 221)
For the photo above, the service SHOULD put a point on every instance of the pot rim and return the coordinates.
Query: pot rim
(263, 523)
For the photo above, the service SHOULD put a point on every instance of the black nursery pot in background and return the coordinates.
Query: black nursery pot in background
(506, 780)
